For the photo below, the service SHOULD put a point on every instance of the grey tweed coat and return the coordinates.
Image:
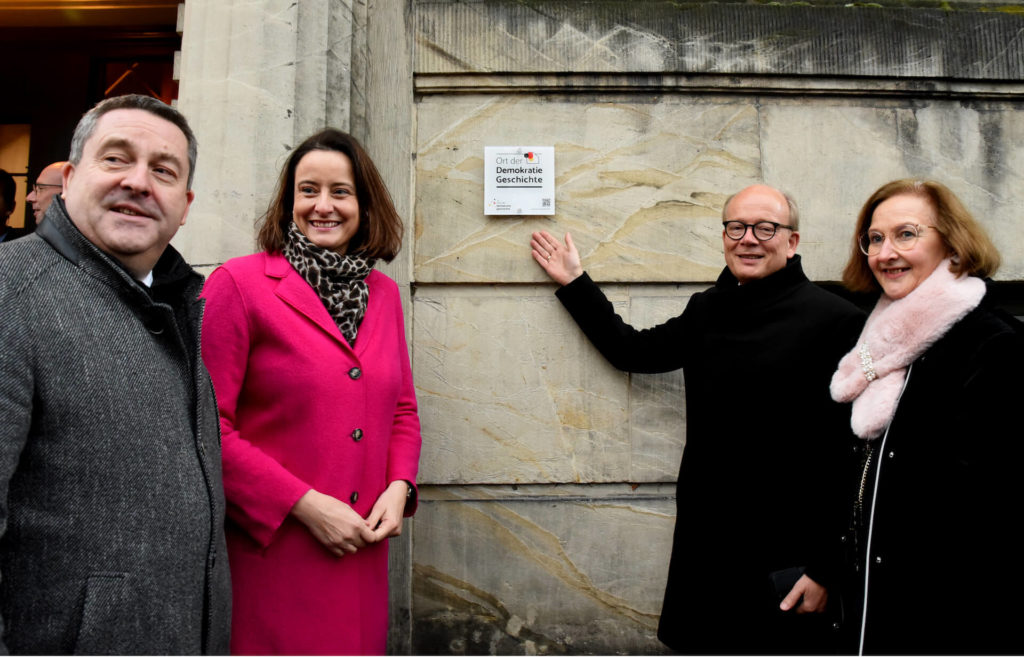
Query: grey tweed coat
(111, 502)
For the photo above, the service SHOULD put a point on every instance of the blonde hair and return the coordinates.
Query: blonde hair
(974, 253)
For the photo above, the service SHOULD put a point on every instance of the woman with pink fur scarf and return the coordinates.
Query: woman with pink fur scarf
(934, 381)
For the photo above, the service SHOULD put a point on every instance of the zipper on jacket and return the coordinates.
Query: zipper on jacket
(858, 504)
(206, 638)
(871, 519)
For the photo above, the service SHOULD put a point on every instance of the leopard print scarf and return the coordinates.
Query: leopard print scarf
(339, 280)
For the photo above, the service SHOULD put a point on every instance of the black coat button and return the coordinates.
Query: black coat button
(357, 435)
(355, 373)
(354, 497)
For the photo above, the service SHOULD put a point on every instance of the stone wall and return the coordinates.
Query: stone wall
(546, 525)
(547, 499)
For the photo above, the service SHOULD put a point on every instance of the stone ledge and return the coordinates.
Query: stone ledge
(706, 84)
(577, 493)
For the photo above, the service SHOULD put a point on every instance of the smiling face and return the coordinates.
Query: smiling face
(747, 258)
(326, 209)
(900, 272)
(129, 192)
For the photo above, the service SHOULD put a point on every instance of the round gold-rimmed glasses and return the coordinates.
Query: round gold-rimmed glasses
(902, 238)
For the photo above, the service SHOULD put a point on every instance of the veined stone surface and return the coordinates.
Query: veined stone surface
(510, 391)
(640, 180)
(833, 155)
(838, 39)
(541, 569)
(639, 184)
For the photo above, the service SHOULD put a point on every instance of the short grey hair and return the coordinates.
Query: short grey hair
(794, 210)
(87, 125)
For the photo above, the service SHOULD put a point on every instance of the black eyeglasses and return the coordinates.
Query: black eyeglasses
(37, 187)
(763, 230)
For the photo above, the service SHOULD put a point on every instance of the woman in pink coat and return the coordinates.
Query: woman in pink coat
(305, 343)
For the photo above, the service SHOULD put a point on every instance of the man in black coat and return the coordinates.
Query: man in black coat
(111, 499)
(760, 493)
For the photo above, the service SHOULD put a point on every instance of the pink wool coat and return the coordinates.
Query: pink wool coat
(301, 409)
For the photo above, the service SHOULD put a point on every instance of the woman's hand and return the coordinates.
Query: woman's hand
(386, 516)
(562, 263)
(332, 522)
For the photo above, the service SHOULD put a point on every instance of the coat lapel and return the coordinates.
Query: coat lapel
(369, 324)
(297, 293)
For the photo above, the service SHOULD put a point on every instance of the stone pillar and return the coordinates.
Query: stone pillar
(382, 120)
(256, 77)
(259, 77)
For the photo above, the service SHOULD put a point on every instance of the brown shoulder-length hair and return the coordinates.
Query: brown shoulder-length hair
(973, 251)
(380, 228)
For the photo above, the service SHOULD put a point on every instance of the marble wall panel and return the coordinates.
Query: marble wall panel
(822, 153)
(540, 570)
(832, 155)
(657, 402)
(789, 37)
(639, 182)
(510, 391)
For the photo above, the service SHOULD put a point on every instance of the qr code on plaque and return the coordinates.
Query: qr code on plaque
(545, 203)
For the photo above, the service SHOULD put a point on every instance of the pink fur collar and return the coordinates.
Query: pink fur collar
(896, 333)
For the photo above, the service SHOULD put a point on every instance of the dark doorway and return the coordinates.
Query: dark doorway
(58, 62)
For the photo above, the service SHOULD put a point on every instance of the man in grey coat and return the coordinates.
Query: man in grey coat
(111, 503)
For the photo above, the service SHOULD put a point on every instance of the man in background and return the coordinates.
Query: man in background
(48, 184)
